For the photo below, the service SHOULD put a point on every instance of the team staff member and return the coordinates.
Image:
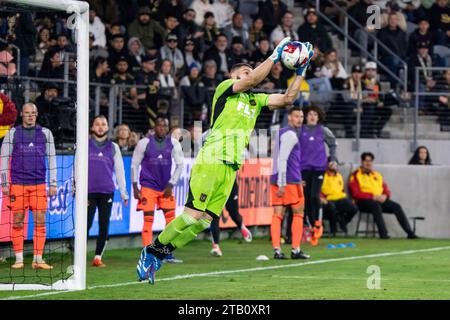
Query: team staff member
(286, 185)
(314, 136)
(372, 194)
(154, 154)
(8, 115)
(28, 146)
(104, 159)
(337, 207)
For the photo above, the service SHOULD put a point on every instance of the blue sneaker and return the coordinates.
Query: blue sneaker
(171, 259)
(147, 265)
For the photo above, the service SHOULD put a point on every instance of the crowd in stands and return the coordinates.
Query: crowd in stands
(165, 49)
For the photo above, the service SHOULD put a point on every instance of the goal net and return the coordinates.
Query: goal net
(44, 110)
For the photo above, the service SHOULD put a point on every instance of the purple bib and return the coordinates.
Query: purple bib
(101, 168)
(28, 157)
(314, 155)
(156, 166)
(293, 173)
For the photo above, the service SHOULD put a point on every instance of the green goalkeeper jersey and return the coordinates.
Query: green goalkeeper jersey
(233, 118)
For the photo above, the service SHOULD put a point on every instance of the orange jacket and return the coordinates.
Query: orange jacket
(364, 186)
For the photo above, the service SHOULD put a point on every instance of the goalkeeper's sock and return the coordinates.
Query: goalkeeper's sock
(297, 230)
(190, 233)
(174, 229)
(17, 239)
(19, 257)
(275, 230)
(169, 215)
(39, 240)
(147, 230)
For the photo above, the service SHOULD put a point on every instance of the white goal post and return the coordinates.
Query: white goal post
(80, 21)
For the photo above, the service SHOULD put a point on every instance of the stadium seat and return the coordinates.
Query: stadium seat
(370, 225)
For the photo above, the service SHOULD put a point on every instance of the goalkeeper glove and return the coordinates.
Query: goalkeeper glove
(276, 54)
(302, 69)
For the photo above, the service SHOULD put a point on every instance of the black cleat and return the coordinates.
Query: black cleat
(279, 255)
(412, 236)
(299, 255)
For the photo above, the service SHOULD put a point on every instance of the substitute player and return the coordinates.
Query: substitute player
(105, 158)
(28, 146)
(286, 185)
(234, 112)
(154, 154)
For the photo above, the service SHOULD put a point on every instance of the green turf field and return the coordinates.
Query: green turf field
(329, 274)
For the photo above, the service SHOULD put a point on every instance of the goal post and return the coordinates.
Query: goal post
(79, 20)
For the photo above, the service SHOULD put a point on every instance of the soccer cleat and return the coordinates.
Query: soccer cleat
(314, 241)
(41, 266)
(147, 265)
(279, 255)
(318, 229)
(215, 251)
(299, 255)
(98, 263)
(171, 259)
(246, 234)
(18, 265)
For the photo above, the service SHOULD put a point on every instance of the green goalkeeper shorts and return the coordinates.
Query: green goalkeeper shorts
(210, 186)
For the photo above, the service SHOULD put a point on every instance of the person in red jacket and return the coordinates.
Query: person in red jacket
(8, 115)
(372, 194)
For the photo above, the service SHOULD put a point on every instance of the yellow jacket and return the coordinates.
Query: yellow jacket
(333, 187)
(366, 185)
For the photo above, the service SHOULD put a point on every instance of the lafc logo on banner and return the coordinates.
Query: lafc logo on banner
(374, 20)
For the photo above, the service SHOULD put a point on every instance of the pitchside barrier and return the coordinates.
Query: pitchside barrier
(421, 190)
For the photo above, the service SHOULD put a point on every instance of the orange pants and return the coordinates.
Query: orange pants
(293, 195)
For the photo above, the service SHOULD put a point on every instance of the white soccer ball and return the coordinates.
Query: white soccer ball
(294, 55)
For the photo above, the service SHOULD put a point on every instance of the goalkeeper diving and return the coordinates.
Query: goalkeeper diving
(233, 116)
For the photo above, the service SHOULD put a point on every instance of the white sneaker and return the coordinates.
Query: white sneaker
(215, 251)
(246, 234)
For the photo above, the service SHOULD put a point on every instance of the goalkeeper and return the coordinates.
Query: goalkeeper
(233, 116)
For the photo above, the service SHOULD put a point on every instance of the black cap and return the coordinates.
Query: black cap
(208, 14)
(357, 68)
(50, 85)
(122, 58)
(144, 10)
(309, 11)
(171, 36)
(237, 39)
(149, 58)
(423, 44)
(119, 35)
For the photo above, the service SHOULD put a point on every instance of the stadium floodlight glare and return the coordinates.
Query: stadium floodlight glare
(79, 21)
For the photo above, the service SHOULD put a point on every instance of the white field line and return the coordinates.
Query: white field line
(197, 275)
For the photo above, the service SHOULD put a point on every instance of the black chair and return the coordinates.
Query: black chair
(370, 225)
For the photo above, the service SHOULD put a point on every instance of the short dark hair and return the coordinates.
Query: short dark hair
(100, 116)
(240, 65)
(364, 155)
(317, 110)
(295, 108)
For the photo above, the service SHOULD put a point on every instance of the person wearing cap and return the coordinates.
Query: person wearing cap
(190, 52)
(220, 54)
(314, 31)
(145, 28)
(210, 30)
(124, 77)
(97, 27)
(238, 28)
(238, 53)
(46, 107)
(116, 50)
(171, 52)
(201, 7)
(421, 34)
(285, 29)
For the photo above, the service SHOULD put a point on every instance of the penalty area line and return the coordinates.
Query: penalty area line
(206, 274)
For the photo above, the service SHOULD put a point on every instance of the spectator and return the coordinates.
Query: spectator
(7, 67)
(337, 207)
(113, 29)
(100, 71)
(444, 101)
(170, 52)
(43, 44)
(223, 12)
(359, 12)
(262, 51)
(8, 115)
(201, 7)
(134, 139)
(135, 53)
(171, 23)
(210, 30)
(96, 51)
(190, 53)
(221, 55)
(372, 195)
(148, 97)
(97, 27)
(52, 66)
(47, 116)
(24, 36)
(238, 53)
(63, 45)
(256, 34)
(188, 27)
(117, 50)
(194, 93)
(334, 70)
(313, 31)
(421, 156)
(285, 29)
(276, 78)
(321, 85)
(165, 76)
(438, 15)
(271, 12)
(107, 10)
(146, 29)
(375, 114)
(210, 77)
(171, 7)
(395, 39)
(421, 34)
(394, 8)
(122, 136)
(410, 9)
(238, 28)
(123, 77)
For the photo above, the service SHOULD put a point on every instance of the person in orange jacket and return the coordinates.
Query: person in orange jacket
(372, 194)
(8, 115)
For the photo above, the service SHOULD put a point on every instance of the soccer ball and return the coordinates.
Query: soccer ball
(294, 55)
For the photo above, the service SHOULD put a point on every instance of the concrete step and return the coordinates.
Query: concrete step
(438, 135)
(409, 127)
(397, 118)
